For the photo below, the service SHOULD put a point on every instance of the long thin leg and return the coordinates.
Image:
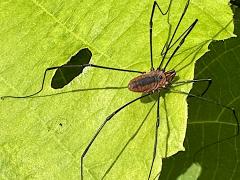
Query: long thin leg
(129, 141)
(162, 53)
(70, 66)
(221, 105)
(155, 4)
(156, 136)
(174, 33)
(166, 43)
(101, 127)
(180, 44)
(195, 81)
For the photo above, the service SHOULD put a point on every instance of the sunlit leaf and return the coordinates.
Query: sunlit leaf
(44, 137)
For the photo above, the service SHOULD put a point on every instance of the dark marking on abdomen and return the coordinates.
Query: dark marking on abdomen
(146, 82)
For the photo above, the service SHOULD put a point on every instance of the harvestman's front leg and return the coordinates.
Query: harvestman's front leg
(156, 136)
(174, 33)
(155, 4)
(101, 127)
(190, 28)
(70, 66)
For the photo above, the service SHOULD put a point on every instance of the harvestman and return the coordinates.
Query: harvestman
(150, 82)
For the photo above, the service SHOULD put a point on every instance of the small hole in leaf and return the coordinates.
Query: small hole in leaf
(65, 75)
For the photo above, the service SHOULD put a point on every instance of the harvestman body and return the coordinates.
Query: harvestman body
(152, 81)
(148, 83)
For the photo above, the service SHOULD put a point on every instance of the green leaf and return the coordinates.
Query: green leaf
(208, 123)
(44, 137)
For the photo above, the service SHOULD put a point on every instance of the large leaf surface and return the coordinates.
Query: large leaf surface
(44, 137)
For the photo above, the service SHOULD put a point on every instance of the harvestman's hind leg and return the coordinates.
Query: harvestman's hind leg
(101, 127)
(221, 105)
(129, 141)
(70, 66)
(155, 4)
(156, 136)
(195, 81)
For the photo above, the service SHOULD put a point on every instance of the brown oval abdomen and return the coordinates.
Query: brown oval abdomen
(146, 83)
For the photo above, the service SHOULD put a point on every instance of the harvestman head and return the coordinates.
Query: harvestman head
(148, 83)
